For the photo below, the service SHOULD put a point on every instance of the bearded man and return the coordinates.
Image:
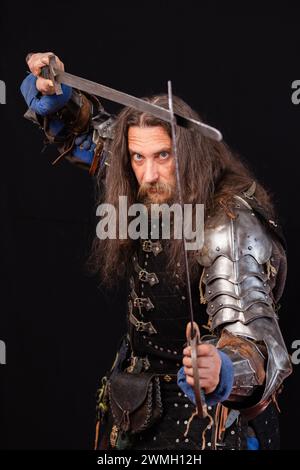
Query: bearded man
(147, 399)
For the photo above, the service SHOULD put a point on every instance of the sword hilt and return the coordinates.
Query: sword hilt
(48, 72)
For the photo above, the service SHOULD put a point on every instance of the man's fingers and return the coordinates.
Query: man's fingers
(39, 60)
(203, 371)
(202, 361)
(45, 86)
(202, 350)
(206, 384)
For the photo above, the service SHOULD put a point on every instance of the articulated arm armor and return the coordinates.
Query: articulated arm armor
(244, 274)
(82, 115)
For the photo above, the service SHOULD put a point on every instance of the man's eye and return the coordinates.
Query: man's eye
(137, 157)
(164, 155)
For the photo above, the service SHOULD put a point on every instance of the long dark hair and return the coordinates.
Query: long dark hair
(209, 171)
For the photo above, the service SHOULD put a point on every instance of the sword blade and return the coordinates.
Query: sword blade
(141, 105)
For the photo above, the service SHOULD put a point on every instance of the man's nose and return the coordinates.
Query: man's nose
(151, 172)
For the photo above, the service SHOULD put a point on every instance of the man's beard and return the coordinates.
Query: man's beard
(155, 193)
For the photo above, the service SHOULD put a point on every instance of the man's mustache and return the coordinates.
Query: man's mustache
(160, 188)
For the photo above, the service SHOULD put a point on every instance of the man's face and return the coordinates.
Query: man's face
(152, 161)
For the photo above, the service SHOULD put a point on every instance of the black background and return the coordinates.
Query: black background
(61, 331)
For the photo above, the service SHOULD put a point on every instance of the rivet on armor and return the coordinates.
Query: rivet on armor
(161, 349)
(186, 405)
(145, 263)
(249, 247)
(211, 306)
(179, 394)
(161, 362)
(183, 298)
(175, 404)
(265, 284)
(253, 214)
(150, 342)
(178, 422)
(186, 440)
(147, 256)
(154, 438)
(176, 275)
(169, 350)
(232, 432)
(177, 440)
(144, 337)
(175, 352)
(185, 422)
(209, 291)
(266, 422)
(218, 248)
(269, 441)
(156, 347)
(143, 285)
(206, 275)
(220, 305)
(209, 444)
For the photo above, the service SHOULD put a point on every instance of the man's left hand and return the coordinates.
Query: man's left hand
(209, 366)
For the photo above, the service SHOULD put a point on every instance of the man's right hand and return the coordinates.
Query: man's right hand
(35, 64)
(39, 92)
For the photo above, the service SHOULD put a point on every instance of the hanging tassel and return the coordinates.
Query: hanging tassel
(202, 296)
(97, 435)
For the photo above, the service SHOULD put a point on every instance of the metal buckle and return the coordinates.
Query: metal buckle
(143, 275)
(147, 246)
(143, 302)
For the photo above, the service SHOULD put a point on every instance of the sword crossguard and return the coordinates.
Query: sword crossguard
(193, 340)
(48, 72)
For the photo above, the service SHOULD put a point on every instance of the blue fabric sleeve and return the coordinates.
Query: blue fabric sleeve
(222, 391)
(43, 104)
